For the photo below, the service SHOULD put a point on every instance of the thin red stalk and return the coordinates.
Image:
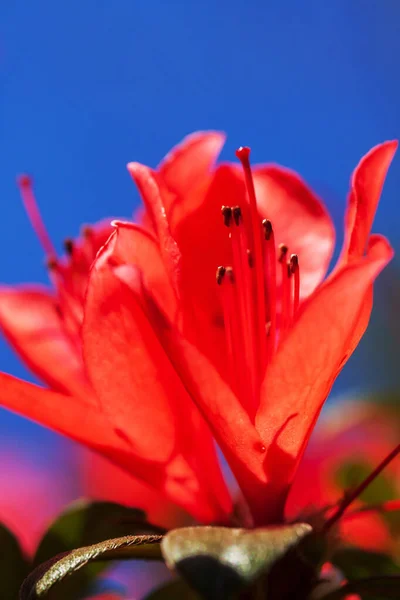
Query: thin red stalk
(243, 155)
(31, 207)
(389, 506)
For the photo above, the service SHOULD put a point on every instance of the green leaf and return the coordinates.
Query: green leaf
(45, 576)
(13, 565)
(218, 562)
(372, 588)
(173, 591)
(85, 523)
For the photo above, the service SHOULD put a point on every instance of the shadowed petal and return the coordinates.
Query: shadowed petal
(308, 361)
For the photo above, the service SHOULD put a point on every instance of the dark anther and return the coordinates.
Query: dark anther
(267, 226)
(220, 274)
(51, 263)
(87, 231)
(294, 263)
(230, 274)
(227, 214)
(69, 246)
(283, 250)
(250, 260)
(237, 214)
(289, 269)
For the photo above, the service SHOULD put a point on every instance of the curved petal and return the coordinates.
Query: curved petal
(33, 326)
(186, 165)
(82, 252)
(137, 247)
(365, 191)
(300, 221)
(126, 364)
(154, 196)
(308, 361)
(141, 392)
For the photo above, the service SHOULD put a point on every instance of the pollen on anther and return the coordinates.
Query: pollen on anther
(267, 226)
(220, 274)
(283, 250)
(294, 263)
(69, 246)
(250, 259)
(51, 263)
(227, 215)
(237, 214)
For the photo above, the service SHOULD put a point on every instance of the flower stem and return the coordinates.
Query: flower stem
(359, 489)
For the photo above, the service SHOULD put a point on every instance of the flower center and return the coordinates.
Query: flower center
(257, 312)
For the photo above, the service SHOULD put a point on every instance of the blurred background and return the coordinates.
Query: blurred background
(87, 87)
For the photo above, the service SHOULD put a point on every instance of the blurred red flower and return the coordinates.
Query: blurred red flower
(349, 441)
(169, 360)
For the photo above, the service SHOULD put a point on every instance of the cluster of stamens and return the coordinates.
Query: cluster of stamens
(259, 303)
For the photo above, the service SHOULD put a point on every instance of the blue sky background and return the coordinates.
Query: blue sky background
(86, 87)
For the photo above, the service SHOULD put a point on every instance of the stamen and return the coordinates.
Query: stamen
(31, 207)
(243, 154)
(270, 263)
(69, 246)
(285, 309)
(220, 274)
(227, 214)
(295, 270)
(245, 314)
(225, 280)
(349, 499)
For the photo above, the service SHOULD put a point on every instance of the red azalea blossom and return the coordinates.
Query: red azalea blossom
(166, 360)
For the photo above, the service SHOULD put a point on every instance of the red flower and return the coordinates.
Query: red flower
(256, 356)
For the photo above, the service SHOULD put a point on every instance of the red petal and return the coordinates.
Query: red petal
(73, 417)
(135, 246)
(300, 377)
(153, 198)
(365, 191)
(126, 364)
(185, 167)
(32, 325)
(140, 390)
(104, 481)
(300, 221)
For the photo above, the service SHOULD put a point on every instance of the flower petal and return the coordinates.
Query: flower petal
(70, 416)
(365, 191)
(126, 364)
(308, 361)
(154, 196)
(141, 392)
(184, 168)
(300, 221)
(33, 326)
(137, 247)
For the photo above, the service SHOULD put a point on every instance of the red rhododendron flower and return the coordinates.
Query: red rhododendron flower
(174, 358)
